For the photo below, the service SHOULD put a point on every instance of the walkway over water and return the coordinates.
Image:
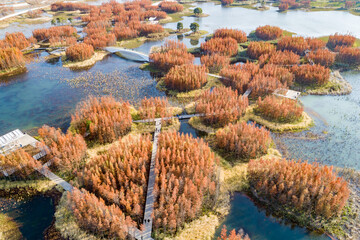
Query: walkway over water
(129, 54)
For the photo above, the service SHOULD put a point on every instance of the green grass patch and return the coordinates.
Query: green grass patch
(196, 35)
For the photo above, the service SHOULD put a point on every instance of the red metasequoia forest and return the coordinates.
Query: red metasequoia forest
(221, 106)
(70, 6)
(93, 215)
(262, 84)
(337, 40)
(323, 57)
(103, 119)
(238, 35)
(232, 235)
(315, 43)
(54, 32)
(120, 175)
(243, 140)
(67, 151)
(349, 55)
(226, 2)
(256, 49)
(215, 62)
(186, 180)
(297, 45)
(16, 39)
(279, 109)
(11, 58)
(154, 108)
(79, 52)
(171, 54)
(284, 75)
(171, 7)
(186, 77)
(224, 46)
(311, 74)
(284, 58)
(268, 32)
(304, 186)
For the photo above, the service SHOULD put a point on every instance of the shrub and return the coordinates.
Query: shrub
(103, 119)
(223, 46)
(215, 62)
(311, 74)
(238, 35)
(186, 180)
(11, 58)
(262, 85)
(171, 54)
(284, 58)
(323, 57)
(79, 52)
(221, 106)
(315, 43)
(186, 77)
(17, 40)
(58, 31)
(310, 188)
(349, 55)
(268, 32)
(277, 109)
(93, 215)
(67, 151)
(226, 2)
(171, 7)
(243, 140)
(256, 49)
(297, 45)
(338, 40)
(284, 75)
(120, 175)
(154, 108)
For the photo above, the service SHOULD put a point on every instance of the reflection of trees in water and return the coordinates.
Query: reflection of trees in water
(129, 84)
(194, 42)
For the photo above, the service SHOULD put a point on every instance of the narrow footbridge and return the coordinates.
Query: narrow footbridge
(129, 54)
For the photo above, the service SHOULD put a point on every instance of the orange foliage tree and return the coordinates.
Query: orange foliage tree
(70, 6)
(54, 32)
(221, 106)
(67, 151)
(284, 58)
(311, 74)
(223, 46)
(323, 57)
(232, 235)
(226, 2)
(284, 75)
(268, 32)
(238, 35)
(186, 180)
(79, 52)
(315, 43)
(102, 119)
(186, 77)
(16, 39)
(256, 49)
(349, 55)
(243, 140)
(171, 7)
(11, 58)
(297, 45)
(262, 84)
(154, 108)
(215, 62)
(338, 40)
(171, 54)
(303, 186)
(279, 109)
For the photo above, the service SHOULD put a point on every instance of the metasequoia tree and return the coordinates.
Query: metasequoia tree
(186, 77)
(16, 39)
(226, 2)
(221, 106)
(338, 40)
(279, 109)
(307, 187)
(11, 58)
(171, 7)
(102, 119)
(232, 235)
(262, 84)
(243, 140)
(311, 74)
(223, 46)
(268, 32)
(79, 52)
(256, 49)
(315, 43)
(67, 151)
(54, 32)
(154, 108)
(284, 58)
(323, 57)
(297, 45)
(349, 55)
(284, 75)
(238, 35)
(70, 6)
(215, 62)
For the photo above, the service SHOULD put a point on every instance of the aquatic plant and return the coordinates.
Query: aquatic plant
(102, 119)
(11, 58)
(214, 62)
(340, 40)
(308, 187)
(297, 45)
(238, 35)
(311, 74)
(268, 32)
(349, 55)
(279, 109)
(221, 106)
(226, 2)
(223, 46)
(79, 52)
(256, 49)
(243, 140)
(171, 7)
(66, 151)
(323, 57)
(186, 77)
